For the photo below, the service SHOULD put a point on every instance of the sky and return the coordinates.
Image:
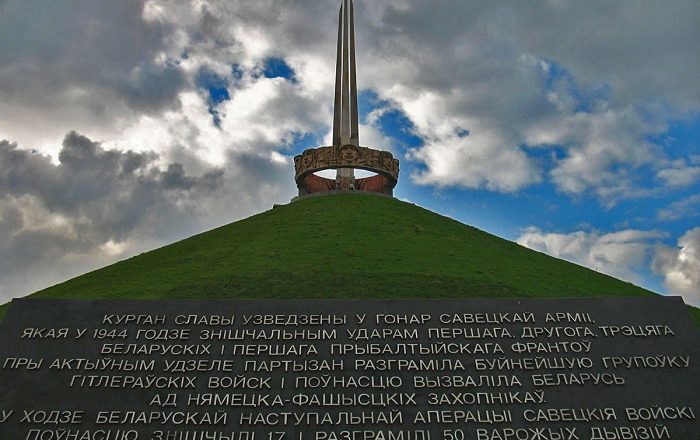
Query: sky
(570, 127)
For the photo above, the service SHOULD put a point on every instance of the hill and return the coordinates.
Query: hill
(344, 246)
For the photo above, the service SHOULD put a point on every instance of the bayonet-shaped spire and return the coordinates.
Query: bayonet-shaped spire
(345, 155)
(345, 125)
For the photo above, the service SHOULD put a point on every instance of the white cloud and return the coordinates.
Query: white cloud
(683, 208)
(680, 174)
(602, 149)
(627, 255)
(680, 266)
(452, 67)
(623, 254)
(478, 161)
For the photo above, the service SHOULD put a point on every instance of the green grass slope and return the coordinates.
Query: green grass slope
(344, 246)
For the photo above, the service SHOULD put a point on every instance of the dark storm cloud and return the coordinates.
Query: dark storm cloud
(95, 205)
(641, 48)
(75, 53)
(151, 86)
(104, 194)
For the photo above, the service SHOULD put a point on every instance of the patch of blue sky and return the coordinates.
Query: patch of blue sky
(540, 205)
(475, 208)
(463, 132)
(680, 142)
(392, 122)
(216, 88)
(237, 73)
(654, 283)
(677, 213)
(558, 78)
(637, 209)
(545, 157)
(367, 102)
(302, 141)
(507, 215)
(639, 214)
(682, 139)
(274, 67)
(215, 85)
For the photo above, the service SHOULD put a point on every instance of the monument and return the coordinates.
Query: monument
(346, 154)
(582, 368)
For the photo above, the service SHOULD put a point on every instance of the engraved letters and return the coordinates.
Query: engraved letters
(350, 370)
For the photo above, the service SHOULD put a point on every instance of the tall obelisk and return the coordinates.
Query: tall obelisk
(346, 154)
(345, 119)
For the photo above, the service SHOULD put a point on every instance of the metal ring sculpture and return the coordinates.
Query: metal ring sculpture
(347, 156)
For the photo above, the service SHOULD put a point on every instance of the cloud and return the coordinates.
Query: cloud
(684, 208)
(627, 255)
(162, 169)
(82, 65)
(449, 66)
(594, 96)
(482, 160)
(680, 266)
(624, 254)
(110, 188)
(680, 174)
(96, 206)
(603, 149)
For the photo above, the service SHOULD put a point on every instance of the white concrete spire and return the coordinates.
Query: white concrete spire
(345, 119)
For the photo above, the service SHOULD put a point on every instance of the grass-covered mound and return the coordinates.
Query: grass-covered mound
(343, 246)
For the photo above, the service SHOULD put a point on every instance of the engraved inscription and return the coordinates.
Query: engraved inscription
(589, 369)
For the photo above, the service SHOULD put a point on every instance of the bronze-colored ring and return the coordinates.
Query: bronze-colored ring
(314, 160)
